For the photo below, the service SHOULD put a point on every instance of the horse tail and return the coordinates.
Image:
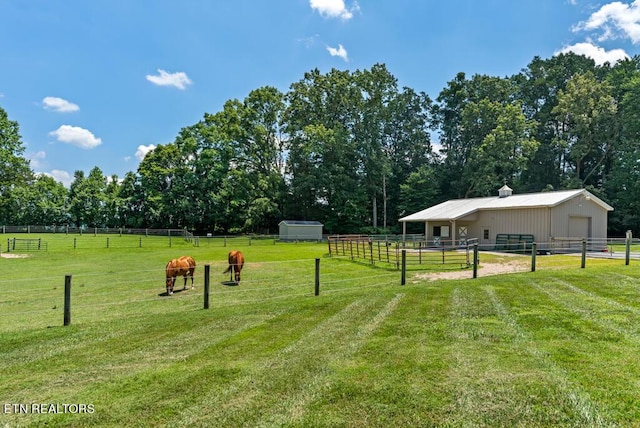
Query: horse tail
(227, 269)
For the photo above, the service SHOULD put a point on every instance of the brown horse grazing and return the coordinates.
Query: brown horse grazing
(192, 268)
(184, 266)
(236, 262)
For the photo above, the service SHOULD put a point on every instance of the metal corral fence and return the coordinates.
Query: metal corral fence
(567, 245)
(417, 252)
(26, 245)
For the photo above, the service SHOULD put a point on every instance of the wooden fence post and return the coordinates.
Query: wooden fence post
(206, 286)
(534, 250)
(475, 260)
(403, 270)
(317, 290)
(627, 248)
(371, 251)
(67, 299)
(584, 254)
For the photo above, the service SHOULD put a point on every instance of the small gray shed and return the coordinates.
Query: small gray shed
(300, 230)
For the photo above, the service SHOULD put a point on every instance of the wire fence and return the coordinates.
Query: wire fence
(42, 300)
(97, 296)
(84, 230)
(139, 238)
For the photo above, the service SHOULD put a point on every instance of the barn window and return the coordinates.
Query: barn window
(485, 234)
(436, 230)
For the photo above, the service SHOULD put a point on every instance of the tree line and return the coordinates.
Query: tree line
(355, 151)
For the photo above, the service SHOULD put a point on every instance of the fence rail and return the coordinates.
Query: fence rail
(26, 245)
(93, 230)
(417, 252)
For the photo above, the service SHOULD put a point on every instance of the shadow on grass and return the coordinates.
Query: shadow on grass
(175, 291)
(230, 283)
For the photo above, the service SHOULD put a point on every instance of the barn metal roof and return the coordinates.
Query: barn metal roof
(458, 208)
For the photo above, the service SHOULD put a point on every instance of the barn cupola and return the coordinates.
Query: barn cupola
(505, 191)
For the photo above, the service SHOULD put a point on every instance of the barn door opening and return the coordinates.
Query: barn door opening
(579, 227)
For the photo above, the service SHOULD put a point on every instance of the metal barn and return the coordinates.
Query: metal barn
(542, 217)
(300, 230)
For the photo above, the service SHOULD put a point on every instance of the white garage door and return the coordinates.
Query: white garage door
(580, 227)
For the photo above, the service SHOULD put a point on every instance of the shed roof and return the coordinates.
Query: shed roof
(458, 208)
(300, 223)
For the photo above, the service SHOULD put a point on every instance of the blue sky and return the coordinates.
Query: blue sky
(101, 82)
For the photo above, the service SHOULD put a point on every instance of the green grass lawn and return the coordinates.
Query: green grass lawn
(555, 347)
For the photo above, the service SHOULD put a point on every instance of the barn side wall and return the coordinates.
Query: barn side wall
(572, 216)
(532, 221)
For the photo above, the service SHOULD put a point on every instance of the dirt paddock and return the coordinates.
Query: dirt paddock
(13, 256)
(484, 269)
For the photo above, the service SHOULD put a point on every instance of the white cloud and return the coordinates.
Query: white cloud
(340, 52)
(615, 19)
(309, 41)
(334, 8)
(59, 105)
(110, 179)
(62, 176)
(178, 80)
(598, 54)
(76, 136)
(143, 150)
(35, 158)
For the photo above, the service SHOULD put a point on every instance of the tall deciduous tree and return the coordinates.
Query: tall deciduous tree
(15, 171)
(321, 121)
(87, 198)
(587, 112)
(408, 149)
(485, 137)
(503, 149)
(42, 202)
(622, 184)
(538, 86)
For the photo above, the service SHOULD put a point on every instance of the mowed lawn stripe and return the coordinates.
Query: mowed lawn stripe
(596, 359)
(577, 399)
(498, 376)
(611, 315)
(84, 358)
(274, 390)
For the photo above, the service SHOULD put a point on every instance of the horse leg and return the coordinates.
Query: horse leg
(185, 282)
(192, 287)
